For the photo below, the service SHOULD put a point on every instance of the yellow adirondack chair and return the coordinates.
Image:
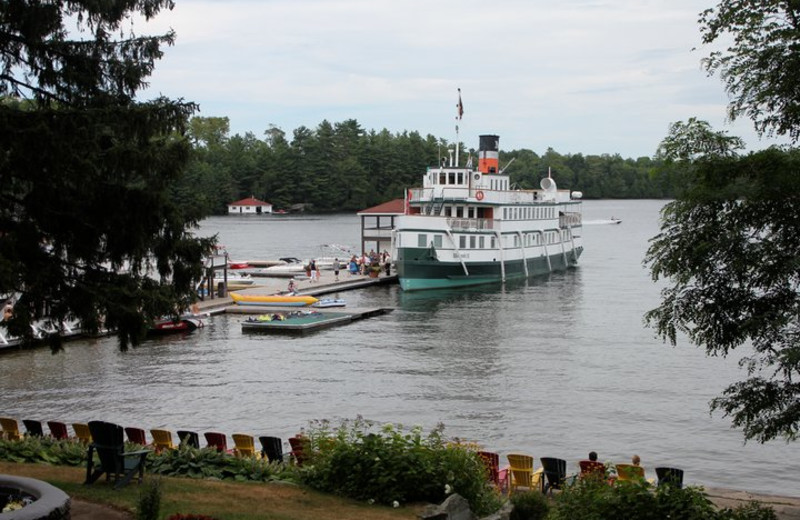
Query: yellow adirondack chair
(82, 432)
(245, 446)
(10, 429)
(162, 440)
(629, 472)
(522, 474)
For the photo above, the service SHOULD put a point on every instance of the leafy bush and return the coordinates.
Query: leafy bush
(595, 499)
(394, 465)
(186, 461)
(149, 504)
(43, 449)
(750, 511)
(529, 505)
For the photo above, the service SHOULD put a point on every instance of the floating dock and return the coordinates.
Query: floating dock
(294, 321)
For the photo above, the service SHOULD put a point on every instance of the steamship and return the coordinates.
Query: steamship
(468, 227)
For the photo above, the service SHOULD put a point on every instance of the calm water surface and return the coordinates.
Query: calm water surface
(556, 366)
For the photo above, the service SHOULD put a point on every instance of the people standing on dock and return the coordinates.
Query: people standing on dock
(387, 262)
(336, 269)
(316, 271)
(308, 270)
(364, 263)
(314, 274)
(292, 289)
(353, 268)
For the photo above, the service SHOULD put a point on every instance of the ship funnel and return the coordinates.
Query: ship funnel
(489, 154)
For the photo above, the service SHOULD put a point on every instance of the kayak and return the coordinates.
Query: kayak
(277, 300)
(329, 302)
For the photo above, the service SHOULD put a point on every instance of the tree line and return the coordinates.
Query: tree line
(344, 167)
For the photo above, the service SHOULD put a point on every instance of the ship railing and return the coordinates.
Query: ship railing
(470, 224)
(438, 193)
(569, 219)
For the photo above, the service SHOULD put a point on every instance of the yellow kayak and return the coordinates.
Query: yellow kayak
(277, 300)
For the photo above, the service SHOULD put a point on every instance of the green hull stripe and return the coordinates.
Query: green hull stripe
(418, 271)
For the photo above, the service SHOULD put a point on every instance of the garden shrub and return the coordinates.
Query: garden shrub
(750, 511)
(389, 464)
(43, 449)
(185, 461)
(529, 505)
(149, 503)
(594, 499)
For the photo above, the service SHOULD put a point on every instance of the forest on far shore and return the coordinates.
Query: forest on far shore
(343, 167)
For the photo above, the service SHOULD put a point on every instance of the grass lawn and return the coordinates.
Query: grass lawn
(228, 500)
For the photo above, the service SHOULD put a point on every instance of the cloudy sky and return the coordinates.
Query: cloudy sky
(579, 76)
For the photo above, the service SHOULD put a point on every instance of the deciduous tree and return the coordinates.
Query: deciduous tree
(728, 246)
(761, 65)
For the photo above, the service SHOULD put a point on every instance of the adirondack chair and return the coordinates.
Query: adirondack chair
(217, 440)
(162, 440)
(245, 447)
(271, 448)
(82, 432)
(136, 435)
(33, 427)
(298, 446)
(670, 476)
(498, 475)
(522, 473)
(58, 430)
(115, 462)
(189, 438)
(10, 429)
(555, 473)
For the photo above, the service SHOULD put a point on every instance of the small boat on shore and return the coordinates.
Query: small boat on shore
(275, 299)
(181, 324)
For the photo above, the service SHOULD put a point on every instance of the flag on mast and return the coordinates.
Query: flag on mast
(460, 105)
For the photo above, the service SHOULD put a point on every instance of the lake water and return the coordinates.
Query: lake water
(556, 366)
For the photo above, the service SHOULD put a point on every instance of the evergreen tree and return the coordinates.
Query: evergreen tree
(89, 225)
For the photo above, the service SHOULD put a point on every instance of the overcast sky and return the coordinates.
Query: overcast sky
(579, 76)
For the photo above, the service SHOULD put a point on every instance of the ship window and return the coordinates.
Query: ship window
(442, 178)
(505, 213)
(462, 241)
(481, 243)
(472, 242)
(460, 178)
(422, 240)
(491, 243)
(437, 241)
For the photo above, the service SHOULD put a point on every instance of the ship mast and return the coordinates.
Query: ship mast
(460, 112)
